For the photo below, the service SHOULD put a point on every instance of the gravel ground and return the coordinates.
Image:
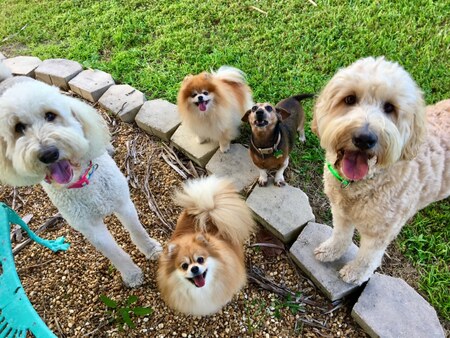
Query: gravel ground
(65, 287)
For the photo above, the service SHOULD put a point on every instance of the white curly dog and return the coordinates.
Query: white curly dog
(386, 158)
(61, 143)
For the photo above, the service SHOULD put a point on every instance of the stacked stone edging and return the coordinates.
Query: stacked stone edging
(377, 307)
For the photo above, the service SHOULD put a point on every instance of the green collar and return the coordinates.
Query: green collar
(344, 183)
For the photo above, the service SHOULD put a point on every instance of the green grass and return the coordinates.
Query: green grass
(295, 48)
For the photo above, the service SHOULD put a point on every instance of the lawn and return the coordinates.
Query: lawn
(285, 47)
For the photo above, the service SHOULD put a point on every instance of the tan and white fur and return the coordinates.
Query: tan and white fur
(202, 267)
(212, 104)
(372, 123)
(44, 133)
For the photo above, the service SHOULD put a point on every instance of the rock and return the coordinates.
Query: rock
(123, 101)
(389, 307)
(324, 275)
(91, 84)
(23, 65)
(235, 164)
(186, 141)
(159, 118)
(57, 72)
(2, 57)
(284, 211)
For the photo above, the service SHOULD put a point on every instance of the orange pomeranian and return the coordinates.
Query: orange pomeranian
(211, 105)
(202, 267)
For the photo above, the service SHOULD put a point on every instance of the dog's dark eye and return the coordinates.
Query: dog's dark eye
(254, 108)
(350, 100)
(193, 94)
(185, 266)
(269, 109)
(20, 128)
(49, 116)
(200, 260)
(205, 93)
(388, 108)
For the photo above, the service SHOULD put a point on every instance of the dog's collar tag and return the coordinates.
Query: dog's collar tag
(344, 182)
(84, 179)
(277, 153)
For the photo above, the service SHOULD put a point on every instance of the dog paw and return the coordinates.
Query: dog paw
(262, 182)
(328, 252)
(354, 274)
(224, 148)
(280, 183)
(201, 140)
(133, 279)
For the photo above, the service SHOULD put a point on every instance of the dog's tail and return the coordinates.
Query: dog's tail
(4, 72)
(230, 74)
(301, 97)
(215, 200)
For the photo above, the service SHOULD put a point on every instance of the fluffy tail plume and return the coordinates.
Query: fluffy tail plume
(4, 72)
(216, 200)
(230, 74)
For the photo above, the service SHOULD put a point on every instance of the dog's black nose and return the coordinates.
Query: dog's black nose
(365, 140)
(200, 98)
(259, 114)
(48, 155)
(194, 270)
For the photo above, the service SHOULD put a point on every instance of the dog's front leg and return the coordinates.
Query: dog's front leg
(98, 235)
(279, 178)
(262, 180)
(127, 215)
(341, 238)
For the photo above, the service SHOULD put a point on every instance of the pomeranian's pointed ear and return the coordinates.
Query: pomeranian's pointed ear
(202, 239)
(282, 113)
(245, 117)
(171, 249)
(187, 77)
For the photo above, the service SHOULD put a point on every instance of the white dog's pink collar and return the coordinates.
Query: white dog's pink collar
(83, 180)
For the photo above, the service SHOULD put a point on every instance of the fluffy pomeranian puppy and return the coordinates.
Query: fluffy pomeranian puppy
(61, 143)
(212, 104)
(202, 266)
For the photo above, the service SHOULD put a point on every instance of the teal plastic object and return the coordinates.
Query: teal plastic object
(17, 315)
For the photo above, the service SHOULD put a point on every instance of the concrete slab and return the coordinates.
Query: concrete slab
(91, 84)
(123, 101)
(284, 211)
(235, 164)
(2, 57)
(159, 118)
(23, 65)
(184, 140)
(324, 275)
(390, 308)
(57, 72)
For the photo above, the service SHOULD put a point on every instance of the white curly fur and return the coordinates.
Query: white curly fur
(407, 168)
(81, 135)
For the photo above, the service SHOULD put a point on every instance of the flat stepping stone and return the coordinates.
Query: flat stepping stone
(91, 84)
(2, 57)
(324, 275)
(284, 211)
(159, 118)
(57, 72)
(235, 164)
(123, 101)
(389, 307)
(23, 65)
(186, 141)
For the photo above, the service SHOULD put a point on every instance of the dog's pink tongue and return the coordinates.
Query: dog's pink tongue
(355, 165)
(202, 106)
(199, 281)
(61, 171)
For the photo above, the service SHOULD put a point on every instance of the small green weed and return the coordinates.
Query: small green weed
(120, 315)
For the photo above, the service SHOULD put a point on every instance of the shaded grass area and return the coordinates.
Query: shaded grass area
(295, 48)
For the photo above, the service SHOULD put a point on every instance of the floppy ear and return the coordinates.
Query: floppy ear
(314, 125)
(245, 117)
(417, 131)
(284, 114)
(94, 127)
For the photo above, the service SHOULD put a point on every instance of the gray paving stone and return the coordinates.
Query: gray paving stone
(91, 84)
(283, 211)
(235, 164)
(57, 72)
(186, 141)
(23, 65)
(2, 56)
(324, 275)
(389, 307)
(159, 118)
(123, 101)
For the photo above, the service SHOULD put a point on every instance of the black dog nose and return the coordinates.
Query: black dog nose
(365, 140)
(194, 269)
(49, 155)
(200, 98)
(260, 114)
